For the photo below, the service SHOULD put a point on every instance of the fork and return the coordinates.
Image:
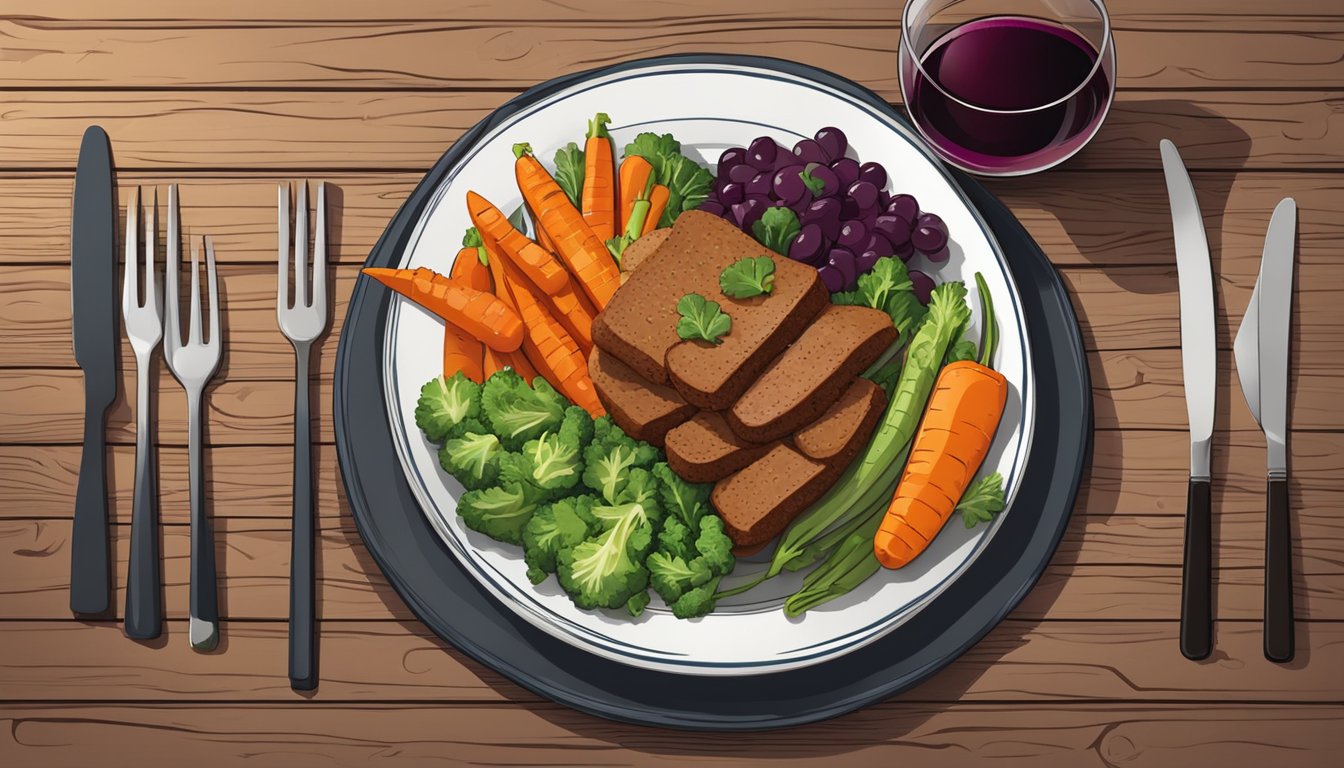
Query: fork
(302, 322)
(144, 327)
(193, 364)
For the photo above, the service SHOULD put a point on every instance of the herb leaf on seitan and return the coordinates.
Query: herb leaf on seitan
(702, 319)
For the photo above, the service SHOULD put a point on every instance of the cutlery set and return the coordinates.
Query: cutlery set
(152, 315)
(1261, 354)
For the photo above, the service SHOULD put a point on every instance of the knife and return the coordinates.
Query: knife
(1199, 366)
(1261, 352)
(94, 310)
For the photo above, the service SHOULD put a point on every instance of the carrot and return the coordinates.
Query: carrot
(539, 266)
(476, 312)
(958, 427)
(635, 173)
(462, 351)
(548, 346)
(657, 202)
(493, 362)
(585, 256)
(599, 182)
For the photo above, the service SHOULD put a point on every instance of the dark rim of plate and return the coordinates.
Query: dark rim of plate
(450, 602)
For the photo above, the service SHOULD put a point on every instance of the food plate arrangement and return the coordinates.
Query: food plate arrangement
(717, 650)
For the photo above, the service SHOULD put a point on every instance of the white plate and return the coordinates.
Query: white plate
(708, 108)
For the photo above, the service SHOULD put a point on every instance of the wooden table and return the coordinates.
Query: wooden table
(229, 99)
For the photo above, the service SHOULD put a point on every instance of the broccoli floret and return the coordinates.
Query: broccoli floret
(610, 457)
(473, 459)
(445, 404)
(518, 413)
(555, 527)
(696, 602)
(554, 461)
(676, 539)
(714, 545)
(606, 571)
(672, 576)
(501, 512)
(686, 575)
(688, 501)
(637, 602)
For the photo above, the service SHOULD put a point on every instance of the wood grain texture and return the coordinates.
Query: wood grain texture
(253, 560)
(512, 45)
(310, 131)
(1064, 734)
(1098, 219)
(402, 661)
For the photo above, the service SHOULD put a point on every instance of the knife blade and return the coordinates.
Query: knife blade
(1261, 351)
(94, 312)
(1199, 366)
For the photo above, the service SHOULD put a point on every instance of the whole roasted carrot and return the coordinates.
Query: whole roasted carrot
(599, 180)
(954, 437)
(476, 312)
(462, 351)
(535, 262)
(550, 349)
(585, 255)
(658, 198)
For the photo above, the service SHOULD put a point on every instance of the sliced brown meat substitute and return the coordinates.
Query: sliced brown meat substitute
(837, 436)
(646, 411)
(639, 324)
(714, 376)
(640, 250)
(812, 374)
(705, 449)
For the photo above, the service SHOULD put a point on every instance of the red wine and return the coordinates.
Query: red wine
(1009, 64)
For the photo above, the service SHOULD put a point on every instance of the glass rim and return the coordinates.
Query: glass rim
(1106, 45)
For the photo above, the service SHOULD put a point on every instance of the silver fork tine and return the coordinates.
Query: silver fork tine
(213, 286)
(151, 245)
(172, 327)
(320, 250)
(301, 247)
(194, 334)
(130, 281)
(282, 298)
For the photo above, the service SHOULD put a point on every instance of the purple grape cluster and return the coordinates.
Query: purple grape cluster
(848, 219)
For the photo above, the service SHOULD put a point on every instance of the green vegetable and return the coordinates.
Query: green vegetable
(701, 319)
(687, 181)
(776, 229)
(637, 603)
(687, 501)
(608, 570)
(982, 501)
(518, 413)
(500, 512)
(989, 336)
(961, 351)
(685, 572)
(554, 461)
(473, 459)
(751, 276)
(848, 566)
(611, 457)
(445, 404)
(555, 527)
(616, 246)
(569, 171)
(887, 287)
(472, 239)
(814, 185)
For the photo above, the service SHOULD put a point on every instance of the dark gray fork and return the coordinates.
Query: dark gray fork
(302, 321)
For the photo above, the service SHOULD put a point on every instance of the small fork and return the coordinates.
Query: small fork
(302, 322)
(144, 328)
(193, 364)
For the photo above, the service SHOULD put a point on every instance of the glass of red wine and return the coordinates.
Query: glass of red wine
(1007, 95)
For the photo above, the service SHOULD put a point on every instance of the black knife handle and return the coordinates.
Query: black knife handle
(1196, 588)
(302, 598)
(144, 595)
(1278, 575)
(89, 555)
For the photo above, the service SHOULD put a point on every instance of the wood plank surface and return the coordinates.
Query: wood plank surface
(1019, 660)
(306, 131)
(1099, 219)
(253, 560)
(514, 44)
(1068, 735)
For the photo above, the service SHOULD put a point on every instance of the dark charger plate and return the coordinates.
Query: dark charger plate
(448, 600)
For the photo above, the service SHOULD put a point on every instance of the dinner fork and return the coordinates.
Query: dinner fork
(193, 364)
(302, 322)
(144, 327)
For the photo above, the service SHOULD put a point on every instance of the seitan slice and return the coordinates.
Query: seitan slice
(759, 501)
(640, 250)
(646, 411)
(812, 374)
(845, 426)
(706, 449)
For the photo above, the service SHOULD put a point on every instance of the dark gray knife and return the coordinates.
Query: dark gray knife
(93, 298)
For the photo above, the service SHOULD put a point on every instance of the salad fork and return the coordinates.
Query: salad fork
(302, 321)
(144, 327)
(193, 364)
